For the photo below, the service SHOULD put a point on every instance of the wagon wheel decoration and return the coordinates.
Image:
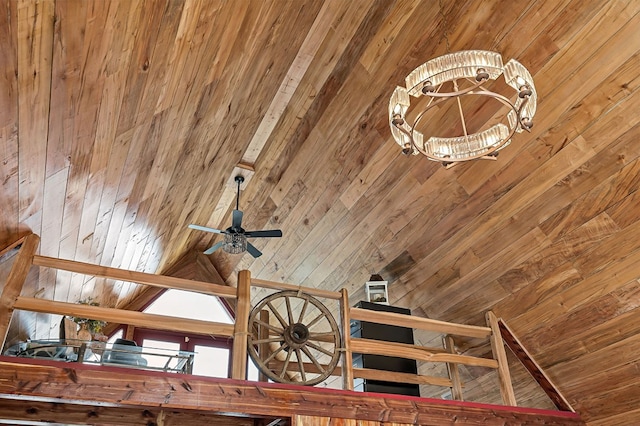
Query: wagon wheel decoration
(302, 343)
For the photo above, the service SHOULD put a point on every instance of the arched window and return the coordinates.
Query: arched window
(212, 353)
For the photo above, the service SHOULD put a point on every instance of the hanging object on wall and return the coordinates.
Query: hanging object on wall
(457, 76)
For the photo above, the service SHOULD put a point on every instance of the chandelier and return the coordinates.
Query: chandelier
(456, 76)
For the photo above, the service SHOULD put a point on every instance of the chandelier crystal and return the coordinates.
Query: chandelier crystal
(455, 76)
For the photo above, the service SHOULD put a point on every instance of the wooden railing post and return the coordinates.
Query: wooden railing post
(263, 348)
(497, 345)
(239, 359)
(347, 355)
(453, 370)
(15, 282)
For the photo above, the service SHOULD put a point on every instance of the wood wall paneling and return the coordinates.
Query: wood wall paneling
(121, 122)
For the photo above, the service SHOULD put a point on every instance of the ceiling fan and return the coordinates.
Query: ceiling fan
(235, 237)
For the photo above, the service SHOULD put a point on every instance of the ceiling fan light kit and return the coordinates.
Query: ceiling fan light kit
(455, 76)
(234, 243)
(235, 237)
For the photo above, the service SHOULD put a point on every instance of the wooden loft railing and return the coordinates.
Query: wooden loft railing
(10, 300)
(418, 353)
(239, 330)
(94, 384)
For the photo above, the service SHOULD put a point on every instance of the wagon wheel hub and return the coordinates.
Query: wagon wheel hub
(296, 335)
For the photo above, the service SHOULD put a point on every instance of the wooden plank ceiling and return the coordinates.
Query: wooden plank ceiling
(121, 122)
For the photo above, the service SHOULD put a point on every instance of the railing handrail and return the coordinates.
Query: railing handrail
(239, 329)
(401, 320)
(336, 295)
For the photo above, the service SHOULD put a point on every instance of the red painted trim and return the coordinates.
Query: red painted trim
(417, 400)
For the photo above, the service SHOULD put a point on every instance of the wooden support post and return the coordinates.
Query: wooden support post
(452, 368)
(347, 355)
(15, 282)
(263, 348)
(497, 345)
(243, 298)
(129, 332)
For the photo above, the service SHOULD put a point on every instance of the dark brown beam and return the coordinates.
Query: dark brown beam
(533, 368)
(145, 389)
(63, 413)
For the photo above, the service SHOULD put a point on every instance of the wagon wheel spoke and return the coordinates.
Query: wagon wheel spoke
(277, 314)
(304, 309)
(301, 365)
(269, 340)
(274, 353)
(319, 349)
(280, 331)
(316, 320)
(313, 359)
(327, 337)
(289, 312)
(286, 364)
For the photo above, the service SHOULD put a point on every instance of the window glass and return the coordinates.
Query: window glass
(211, 357)
(252, 370)
(158, 361)
(187, 304)
(212, 362)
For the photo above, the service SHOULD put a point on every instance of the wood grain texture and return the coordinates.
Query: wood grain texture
(119, 316)
(15, 282)
(123, 121)
(151, 389)
(52, 412)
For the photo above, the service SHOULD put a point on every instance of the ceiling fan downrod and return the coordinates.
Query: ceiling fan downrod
(239, 180)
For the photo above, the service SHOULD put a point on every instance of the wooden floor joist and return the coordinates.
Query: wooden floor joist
(144, 390)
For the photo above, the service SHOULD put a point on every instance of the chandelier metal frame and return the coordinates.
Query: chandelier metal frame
(471, 68)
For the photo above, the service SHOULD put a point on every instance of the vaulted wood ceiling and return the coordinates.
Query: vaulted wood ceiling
(121, 122)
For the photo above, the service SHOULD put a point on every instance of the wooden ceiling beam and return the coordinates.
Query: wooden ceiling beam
(288, 87)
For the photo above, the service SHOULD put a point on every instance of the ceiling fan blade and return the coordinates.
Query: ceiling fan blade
(214, 247)
(237, 219)
(206, 229)
(264, 234)
(253, 251)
